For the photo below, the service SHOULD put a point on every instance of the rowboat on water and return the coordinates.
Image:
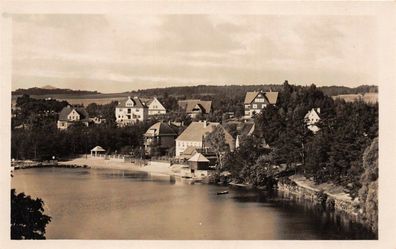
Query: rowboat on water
(222, 192)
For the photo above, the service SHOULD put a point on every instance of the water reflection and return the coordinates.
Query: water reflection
(116, 204)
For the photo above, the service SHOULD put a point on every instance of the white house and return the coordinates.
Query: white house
(257, 101)
(71, 115)
(131, 111)
(312, 118)
(194, 135)
(155, 107)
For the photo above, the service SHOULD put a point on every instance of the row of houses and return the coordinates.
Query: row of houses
(133, 110)
(137, 109)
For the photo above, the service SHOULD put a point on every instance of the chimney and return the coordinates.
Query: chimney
(318, 110)
(205, 124)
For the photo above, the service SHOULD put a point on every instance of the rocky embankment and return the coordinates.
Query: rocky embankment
(330, 197)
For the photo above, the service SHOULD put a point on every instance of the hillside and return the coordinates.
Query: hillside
(234, 92)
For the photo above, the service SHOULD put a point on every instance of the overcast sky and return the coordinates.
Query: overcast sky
(121, 53)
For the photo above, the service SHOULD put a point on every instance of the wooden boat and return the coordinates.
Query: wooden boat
(222, 192)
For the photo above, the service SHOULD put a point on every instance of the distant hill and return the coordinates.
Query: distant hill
(339, 90)
(48, 90)
(48, 87)
(199, 91)
(237, 90)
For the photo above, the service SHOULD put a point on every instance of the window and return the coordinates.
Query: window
(247, 106)
(137, 110)
(264, 105)
(254, 106)
(129, 110)
(260, 100)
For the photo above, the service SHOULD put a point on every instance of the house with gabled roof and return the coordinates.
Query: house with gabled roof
(194, 107)
(159, 136)
(194, 135)
(131, 111)
(256, 101)
(312, 118)
(198, 162)
(70, 115)
(155, 107)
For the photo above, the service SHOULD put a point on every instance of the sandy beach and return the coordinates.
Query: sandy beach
(115, 163)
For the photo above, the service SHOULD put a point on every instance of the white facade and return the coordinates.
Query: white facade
(63, 125)
(312, 118)
(131, 111)
(156, 108)
(73, 116)
(182, 145)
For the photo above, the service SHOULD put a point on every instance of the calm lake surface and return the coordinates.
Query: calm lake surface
(117, 204)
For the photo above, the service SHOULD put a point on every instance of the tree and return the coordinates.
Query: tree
(217, 142)
(243, 162)
(368, 194)
(262, 172)
(27, 218)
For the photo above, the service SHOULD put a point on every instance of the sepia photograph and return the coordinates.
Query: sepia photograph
(205, 126)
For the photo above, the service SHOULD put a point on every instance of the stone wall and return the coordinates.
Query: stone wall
(329, 202)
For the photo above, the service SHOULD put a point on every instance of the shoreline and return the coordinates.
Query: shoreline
(119, 164)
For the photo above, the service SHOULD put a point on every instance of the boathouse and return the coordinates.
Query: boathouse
(198, 162)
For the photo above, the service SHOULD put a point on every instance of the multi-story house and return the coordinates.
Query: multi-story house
(193, 136)
(72, 115)
(131, 111)
(255, 102)
(312, 118)
(159, 138)
(195, 107)
(155, 107)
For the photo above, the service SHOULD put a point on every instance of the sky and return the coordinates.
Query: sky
(117, 53)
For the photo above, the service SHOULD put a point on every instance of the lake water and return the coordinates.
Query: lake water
(117, 204)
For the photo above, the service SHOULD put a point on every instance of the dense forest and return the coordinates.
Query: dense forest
(236, 91)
